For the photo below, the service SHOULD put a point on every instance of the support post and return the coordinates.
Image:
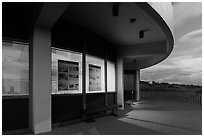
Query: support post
(40, 91)
(120, 87)
(40, 66)
(137, 85)
(84, 72)
(105, 71)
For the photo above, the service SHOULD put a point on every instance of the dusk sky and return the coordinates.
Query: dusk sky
(184, 65)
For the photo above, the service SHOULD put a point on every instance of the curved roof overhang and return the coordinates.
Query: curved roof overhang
(154, 19)
(156, 45)
(167, 27)
(138, 53)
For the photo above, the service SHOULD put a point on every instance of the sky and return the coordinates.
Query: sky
(184, 65)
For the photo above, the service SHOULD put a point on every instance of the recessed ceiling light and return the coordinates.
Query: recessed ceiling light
(141, 34)
(132, 20)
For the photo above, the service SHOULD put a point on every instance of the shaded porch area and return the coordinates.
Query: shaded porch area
(150, 117)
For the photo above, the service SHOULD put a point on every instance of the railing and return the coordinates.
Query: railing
(188, 97)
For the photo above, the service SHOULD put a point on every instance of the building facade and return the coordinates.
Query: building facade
(59, 59)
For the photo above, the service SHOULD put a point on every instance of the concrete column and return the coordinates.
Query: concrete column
(40, 90)
(137, 85)
(120, 86)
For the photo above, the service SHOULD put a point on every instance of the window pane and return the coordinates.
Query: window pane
(15, 69)
(95, 81)
(110, 77)
(66, 72)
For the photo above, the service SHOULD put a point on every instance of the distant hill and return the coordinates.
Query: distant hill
(154, 86)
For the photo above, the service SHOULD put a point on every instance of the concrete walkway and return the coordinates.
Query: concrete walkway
(146, 118)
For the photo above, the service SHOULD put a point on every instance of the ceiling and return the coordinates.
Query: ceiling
(117, 29)
(97, 17)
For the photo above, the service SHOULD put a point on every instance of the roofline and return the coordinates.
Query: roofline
(162, 23)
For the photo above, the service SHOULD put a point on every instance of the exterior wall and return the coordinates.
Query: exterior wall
(72, 37)
(84, 41)
(16, 23)
(63, 107)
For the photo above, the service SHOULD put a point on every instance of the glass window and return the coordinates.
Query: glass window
(15, 69)
(95, 81)
(110, 77)
(66, 72)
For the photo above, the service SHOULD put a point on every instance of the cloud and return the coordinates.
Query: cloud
(188, 63)
(186, 49)
(189, 44)
(193, 36)
(182, 79)
(184, 65)
(183, 11)
(184, 69)
(173, 76)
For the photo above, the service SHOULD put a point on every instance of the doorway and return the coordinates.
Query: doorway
(129, 86)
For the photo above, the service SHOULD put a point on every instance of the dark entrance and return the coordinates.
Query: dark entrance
(129, 85)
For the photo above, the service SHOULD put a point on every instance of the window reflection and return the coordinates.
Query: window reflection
(66, 72)
(15, 69)
(95, 75)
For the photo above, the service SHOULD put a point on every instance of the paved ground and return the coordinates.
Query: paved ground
(146, 118)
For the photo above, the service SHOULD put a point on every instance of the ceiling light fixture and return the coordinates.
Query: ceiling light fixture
(141, 33)
(132, 20)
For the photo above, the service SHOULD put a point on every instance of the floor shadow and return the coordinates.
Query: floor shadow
(163, 124)
(103, 126)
